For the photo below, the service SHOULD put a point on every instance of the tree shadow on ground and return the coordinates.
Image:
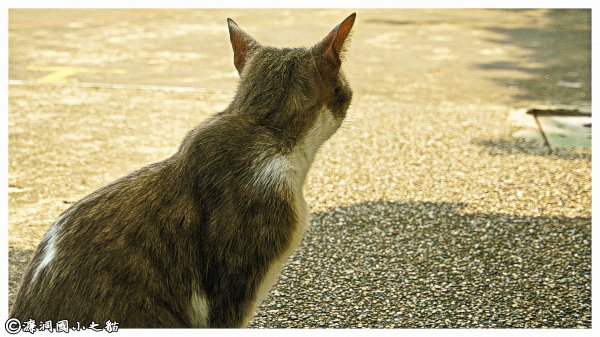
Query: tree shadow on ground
(429, 264)
(557, 69)
(510, 146)
(558, 64)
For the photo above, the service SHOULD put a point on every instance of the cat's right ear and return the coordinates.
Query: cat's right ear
(329, 51)
(242, 43)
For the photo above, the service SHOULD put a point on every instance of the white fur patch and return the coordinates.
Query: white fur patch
(271, 171)
(292, 170)
(199, 310)
(276, 169)
(49, 252)
(324, 127)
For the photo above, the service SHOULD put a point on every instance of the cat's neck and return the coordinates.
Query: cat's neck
(290, 168)
(254, 155)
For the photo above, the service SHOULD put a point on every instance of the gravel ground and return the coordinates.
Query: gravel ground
(426, 211)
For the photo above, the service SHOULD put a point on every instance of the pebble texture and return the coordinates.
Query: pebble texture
(426, 211)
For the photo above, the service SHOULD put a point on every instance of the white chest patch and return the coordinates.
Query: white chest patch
(291, 170)
(324, 127)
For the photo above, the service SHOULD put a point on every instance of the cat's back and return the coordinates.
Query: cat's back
(115, 252)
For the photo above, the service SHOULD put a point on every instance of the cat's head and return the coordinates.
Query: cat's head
(289, 90)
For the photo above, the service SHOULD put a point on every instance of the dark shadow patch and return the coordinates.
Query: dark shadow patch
(562, 49)
(431, 264)
(510, 146)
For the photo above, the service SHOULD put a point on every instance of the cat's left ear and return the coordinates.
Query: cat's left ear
(331, 47)
(242, 43)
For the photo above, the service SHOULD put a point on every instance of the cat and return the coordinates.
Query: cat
(198, 239)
